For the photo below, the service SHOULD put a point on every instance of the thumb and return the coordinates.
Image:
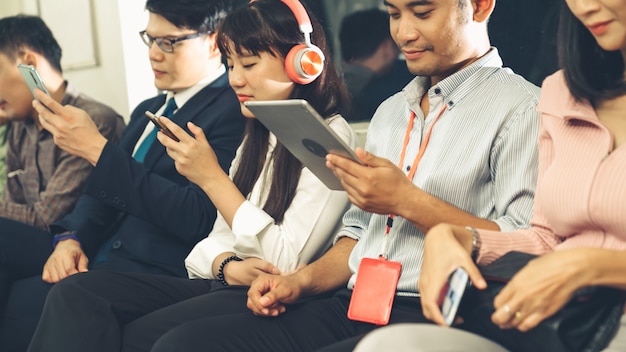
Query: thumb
(82, 263)
(475, 277)
(370, 159)
(198, 133)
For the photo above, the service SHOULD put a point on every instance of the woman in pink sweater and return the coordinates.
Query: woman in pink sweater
(579, 222)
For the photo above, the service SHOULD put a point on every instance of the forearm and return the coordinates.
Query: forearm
(224, 194)
(93, 150)
(329, 272)
(425, 211)
(604, 267)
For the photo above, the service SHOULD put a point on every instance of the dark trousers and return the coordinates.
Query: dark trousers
(107, 311)
(319, 324)
(24, 250)
(111, 311)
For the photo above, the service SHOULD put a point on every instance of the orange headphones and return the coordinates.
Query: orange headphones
(304, 62)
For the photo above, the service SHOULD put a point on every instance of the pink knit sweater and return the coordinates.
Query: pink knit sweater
(580, 199)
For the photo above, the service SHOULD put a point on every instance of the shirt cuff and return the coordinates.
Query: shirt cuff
(248, 222)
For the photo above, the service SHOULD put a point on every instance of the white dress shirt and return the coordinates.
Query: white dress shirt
(305, 233)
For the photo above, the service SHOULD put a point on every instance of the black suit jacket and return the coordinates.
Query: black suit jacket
(146, 215)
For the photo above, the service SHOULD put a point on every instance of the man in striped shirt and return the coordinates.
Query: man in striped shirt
(458, 144)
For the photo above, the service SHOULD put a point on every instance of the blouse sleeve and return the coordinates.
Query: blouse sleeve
(539, 238)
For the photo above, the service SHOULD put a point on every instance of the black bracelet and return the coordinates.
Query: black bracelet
(220, 272)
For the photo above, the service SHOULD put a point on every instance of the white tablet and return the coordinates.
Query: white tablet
(304, 133)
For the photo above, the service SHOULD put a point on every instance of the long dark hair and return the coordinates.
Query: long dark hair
(591, 72)
(269, 26)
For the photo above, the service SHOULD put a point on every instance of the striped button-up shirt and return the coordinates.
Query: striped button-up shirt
(481, 157)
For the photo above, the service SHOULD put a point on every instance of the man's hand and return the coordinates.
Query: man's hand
(378, 186)
(66, 259)
(245, 271)
(73, 129)
(268, 294)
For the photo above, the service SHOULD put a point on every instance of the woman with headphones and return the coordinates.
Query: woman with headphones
(275, 216)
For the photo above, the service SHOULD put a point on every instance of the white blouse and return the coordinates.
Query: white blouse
(305, 233)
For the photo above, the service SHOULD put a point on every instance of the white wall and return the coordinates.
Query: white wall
(122, 77)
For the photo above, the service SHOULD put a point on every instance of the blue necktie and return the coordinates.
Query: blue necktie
(145, 145)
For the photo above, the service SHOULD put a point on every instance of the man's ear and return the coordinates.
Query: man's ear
(26, 57)
(483, 9)
(214, 50)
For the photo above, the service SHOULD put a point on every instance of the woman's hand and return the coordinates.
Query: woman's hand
(445, 249)
(245, 271)
(541, 288)
(193, 156)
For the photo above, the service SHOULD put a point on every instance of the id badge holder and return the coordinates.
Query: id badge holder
(374, 291)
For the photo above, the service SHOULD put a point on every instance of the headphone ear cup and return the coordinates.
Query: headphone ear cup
(304, 63)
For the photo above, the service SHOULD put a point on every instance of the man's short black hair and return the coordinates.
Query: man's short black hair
(202, 16)
(362, 32)
(24, 31)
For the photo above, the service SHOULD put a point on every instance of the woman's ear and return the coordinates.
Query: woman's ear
(482, 9)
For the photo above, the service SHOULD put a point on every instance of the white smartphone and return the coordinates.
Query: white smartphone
(458, 282)
(32, 78)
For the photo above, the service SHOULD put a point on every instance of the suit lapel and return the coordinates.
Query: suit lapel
(135, 129)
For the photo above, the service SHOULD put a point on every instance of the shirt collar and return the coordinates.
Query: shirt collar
(181, 97)
(448, 88)
(557, 101)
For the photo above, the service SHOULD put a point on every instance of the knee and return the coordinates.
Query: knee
(173, 340)
(67, 288)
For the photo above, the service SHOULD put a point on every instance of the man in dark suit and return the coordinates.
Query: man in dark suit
(137, 213)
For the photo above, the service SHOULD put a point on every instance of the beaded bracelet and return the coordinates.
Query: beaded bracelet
(220, 272)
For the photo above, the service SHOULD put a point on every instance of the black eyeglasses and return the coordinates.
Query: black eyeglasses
(165, 44)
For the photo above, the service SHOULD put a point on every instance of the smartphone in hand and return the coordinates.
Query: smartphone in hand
(161, 127)
(458, 282)
(33, 80)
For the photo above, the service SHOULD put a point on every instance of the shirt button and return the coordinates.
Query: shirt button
(116, 244)
(437, 91)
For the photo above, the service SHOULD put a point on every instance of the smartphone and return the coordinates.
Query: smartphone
(160, 126)
(458, 282)
(32, 78)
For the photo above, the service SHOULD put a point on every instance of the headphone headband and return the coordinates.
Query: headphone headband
(304, 62)
(304, 22)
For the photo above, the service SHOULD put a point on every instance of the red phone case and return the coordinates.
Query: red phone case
(374, 291)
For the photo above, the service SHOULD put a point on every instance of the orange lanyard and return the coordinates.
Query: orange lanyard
(416, 161)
